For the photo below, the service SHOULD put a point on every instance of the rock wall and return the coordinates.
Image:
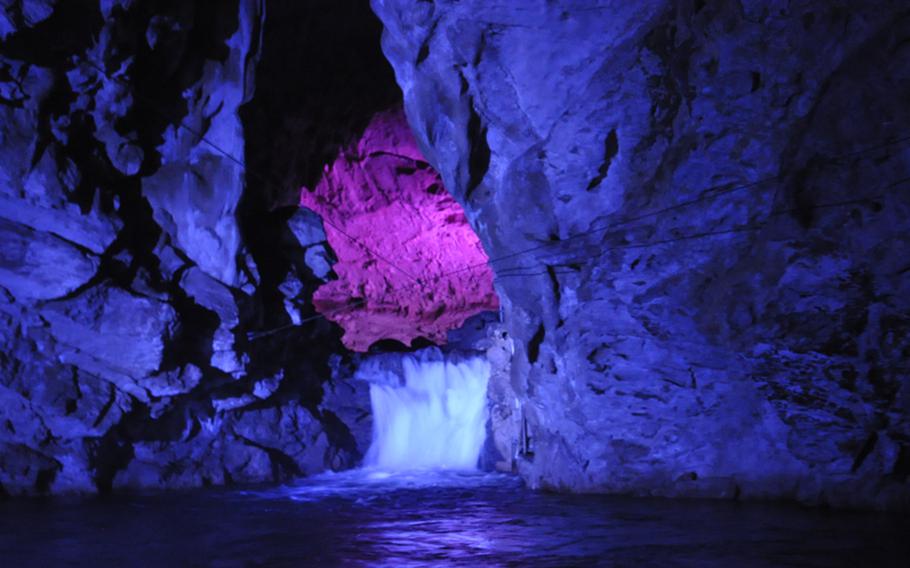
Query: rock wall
(697, 214)
(409, 265)
(147, 339)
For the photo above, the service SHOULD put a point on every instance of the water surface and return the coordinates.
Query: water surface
(430, 518)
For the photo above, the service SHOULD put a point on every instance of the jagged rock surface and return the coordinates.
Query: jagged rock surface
(409, 265)
(697, 217)
(132, 308)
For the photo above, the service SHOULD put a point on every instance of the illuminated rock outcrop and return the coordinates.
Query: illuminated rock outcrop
(409, 264)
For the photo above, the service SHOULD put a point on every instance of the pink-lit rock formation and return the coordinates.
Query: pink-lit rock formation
(409, 264)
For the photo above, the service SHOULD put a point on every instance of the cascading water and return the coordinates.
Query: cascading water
(428, 412)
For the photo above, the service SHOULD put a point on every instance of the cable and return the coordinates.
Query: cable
(706, 194)
(254, 335)
(526, 270)
(512, 272)
(739, 229)
(369, 251)
(713, 192)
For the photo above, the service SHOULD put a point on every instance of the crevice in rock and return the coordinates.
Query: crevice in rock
(191, 341)
(108, 455)
(611, 148)
(901, 467)
(283, 465)
(339, 434)
(479, 152)
(669, 87)
(801, 195)
(864, 452)
(534, 344)
(111, 398)
(554, 280)
(756, 81)
(424, 50)
(44, 480)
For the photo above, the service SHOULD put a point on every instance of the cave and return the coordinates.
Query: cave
(405, 282)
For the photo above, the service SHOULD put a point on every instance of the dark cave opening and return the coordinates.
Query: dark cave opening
(293, 130)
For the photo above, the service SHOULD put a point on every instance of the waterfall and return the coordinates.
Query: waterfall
(430, 411)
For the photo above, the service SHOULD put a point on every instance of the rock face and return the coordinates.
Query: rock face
(697, 214)
(409, 265)
(147, 342)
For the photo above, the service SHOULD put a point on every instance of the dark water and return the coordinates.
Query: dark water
(434, 519)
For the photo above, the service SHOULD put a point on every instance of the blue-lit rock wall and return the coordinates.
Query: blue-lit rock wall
(699, 218)
(138, 332)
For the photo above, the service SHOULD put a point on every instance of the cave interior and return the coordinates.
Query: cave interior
(657, 249)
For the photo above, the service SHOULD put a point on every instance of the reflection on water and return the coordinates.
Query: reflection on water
(367, 518)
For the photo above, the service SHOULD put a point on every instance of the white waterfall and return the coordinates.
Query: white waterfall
(429, 413)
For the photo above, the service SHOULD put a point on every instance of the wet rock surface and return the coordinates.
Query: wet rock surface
(697, 217)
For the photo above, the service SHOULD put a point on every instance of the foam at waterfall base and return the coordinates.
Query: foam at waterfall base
(368, 483)
(429, 411)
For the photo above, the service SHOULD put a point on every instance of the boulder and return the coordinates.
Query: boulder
(111, 332)
(35, 265)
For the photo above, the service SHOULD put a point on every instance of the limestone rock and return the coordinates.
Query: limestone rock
(122, 310)
(216, 297)
(108, 328)
(39, 266)
(408, 265)
(698, 233)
